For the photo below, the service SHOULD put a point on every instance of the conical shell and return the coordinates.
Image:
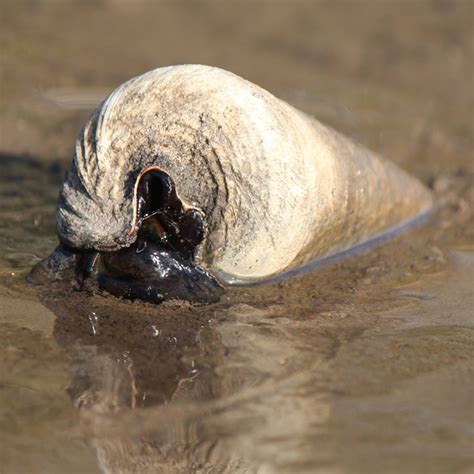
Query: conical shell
(277, 188)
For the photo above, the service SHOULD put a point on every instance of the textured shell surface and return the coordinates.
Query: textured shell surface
(277, 189)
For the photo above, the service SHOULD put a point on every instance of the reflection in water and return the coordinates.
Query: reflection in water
(236, 388)
(177, 391)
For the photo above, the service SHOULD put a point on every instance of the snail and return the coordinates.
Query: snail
(188, 178)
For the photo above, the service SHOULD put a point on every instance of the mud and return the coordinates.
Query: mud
(362, 366)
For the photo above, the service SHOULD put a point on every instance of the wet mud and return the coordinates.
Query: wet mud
(361, 366)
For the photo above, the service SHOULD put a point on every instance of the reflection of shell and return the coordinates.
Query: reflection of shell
(276, 187)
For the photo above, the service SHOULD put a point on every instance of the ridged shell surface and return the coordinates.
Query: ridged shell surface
(277, 188)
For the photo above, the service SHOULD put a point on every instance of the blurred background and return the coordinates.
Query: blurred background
(396, 75)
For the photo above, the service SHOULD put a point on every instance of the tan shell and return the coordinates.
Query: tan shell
(277, 188)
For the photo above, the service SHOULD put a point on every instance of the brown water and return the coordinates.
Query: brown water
(365, 366)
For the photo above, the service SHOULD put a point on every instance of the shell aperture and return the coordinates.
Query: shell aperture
(158, 265)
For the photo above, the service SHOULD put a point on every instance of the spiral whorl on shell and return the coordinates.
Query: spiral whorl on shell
(275, 187)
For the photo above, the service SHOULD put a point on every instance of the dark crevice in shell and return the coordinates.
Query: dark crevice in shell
(159, 264)
(162, 217)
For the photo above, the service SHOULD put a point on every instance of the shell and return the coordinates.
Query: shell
(277, 189)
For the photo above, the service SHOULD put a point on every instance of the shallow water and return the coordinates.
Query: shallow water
(363, 366)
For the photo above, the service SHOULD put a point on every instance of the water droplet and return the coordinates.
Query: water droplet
(173, 342)
(94, 320)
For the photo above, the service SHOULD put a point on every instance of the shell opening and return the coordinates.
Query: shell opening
(163, 219)
(159, 264)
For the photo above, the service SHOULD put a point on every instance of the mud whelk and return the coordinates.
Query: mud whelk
(195, 176)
